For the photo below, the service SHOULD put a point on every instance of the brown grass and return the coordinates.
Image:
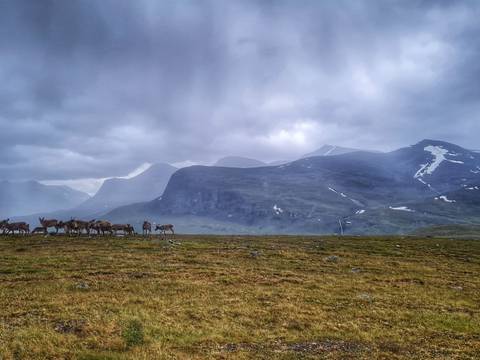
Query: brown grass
(239, 297)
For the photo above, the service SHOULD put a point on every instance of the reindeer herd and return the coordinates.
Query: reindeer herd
(75, 227)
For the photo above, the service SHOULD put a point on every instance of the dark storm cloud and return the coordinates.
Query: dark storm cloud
(96, 88)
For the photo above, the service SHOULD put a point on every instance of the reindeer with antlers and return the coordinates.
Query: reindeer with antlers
(127, 229)
(147, 228)
(49, 223)
(22, 227)
(164, 228)
(3, 225)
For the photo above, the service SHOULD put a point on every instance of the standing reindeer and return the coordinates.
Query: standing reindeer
(147, 228)
(164, 228)
(84, 225)
(3, 225)
(126, 228)
(104, 226)
(49, 223)
(69, 227)
(22, 227)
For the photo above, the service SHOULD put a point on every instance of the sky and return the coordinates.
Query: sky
(92, 89)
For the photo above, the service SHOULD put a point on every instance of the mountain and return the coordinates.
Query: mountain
(432, 182)
(329, 150)
(278, 162)
(120, 191)
(238, 162)
(22, 198)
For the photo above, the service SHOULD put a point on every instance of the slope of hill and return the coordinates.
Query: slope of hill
(23, 198)
(450, 231)
(119, 191)
(372, 192)
(239, 162)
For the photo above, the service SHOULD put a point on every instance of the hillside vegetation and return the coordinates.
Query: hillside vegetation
(451, 231)
(239, 297)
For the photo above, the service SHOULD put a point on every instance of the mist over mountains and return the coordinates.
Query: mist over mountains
(432, 182)
(29, 197)
(116, 192)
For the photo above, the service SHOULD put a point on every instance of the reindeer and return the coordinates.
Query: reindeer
(130, 229)
(126, 228)
(164, 228)
(95, 227)
(22, 227)
(3, 225)
(70, 227)
(84, 225)
(38, 229)
(104, 226)
(147, 228)
(49, 223)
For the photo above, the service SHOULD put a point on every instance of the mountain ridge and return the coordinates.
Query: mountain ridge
(312, 194)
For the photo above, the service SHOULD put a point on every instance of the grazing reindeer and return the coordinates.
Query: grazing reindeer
(126, 228)
(130, 230)
(69, 227)
(84, 225)
(103, 227)
(3, 225)
(49, 223)
(95, 227)
(147, 228)
(38, 229)
(22, 227)
(164, 228)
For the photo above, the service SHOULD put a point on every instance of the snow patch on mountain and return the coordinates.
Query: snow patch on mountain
(425, 183)
(444, 198)
(401, 208)
(438, 153)
(277, 210)
(356, 202)
(476, 171)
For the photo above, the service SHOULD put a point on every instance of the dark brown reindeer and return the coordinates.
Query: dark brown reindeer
(103, 227)
(47, 223)
(164, 228)
(84, 225)
(67, 226)
(3, 225)
(22, 227)
(127, 229)
(95, 227)
(39, 230)
(147, 228)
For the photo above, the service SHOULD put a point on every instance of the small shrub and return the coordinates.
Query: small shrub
(133, 333)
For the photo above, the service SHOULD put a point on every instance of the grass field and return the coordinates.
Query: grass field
(230, 297)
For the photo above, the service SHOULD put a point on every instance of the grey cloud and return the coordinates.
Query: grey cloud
(96, 88)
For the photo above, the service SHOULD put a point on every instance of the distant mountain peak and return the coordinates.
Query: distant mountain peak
(433, 142)
(239, 162)
(125, 190)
